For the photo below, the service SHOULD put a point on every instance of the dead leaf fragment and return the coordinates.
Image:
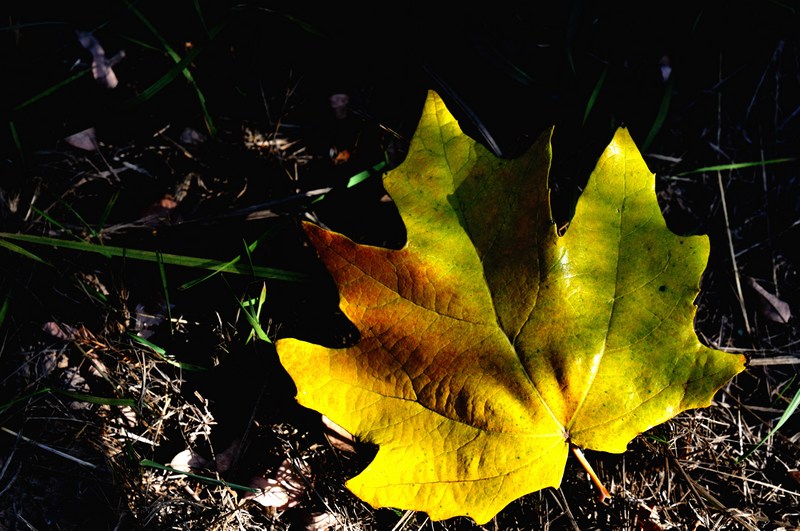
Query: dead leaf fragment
(72, 380)
(192, 137)
(647, 518)
(101, 67)
(188, 460)
(59, 330)
(129, 416)
(228, 456)
(338, 437)
(285, 490)
(321, 522)
(339, 104)
(85, 140)
(769, 305)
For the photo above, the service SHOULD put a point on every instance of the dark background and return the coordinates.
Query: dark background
(507, 73)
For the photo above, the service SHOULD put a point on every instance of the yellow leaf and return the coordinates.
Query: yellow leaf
(488, 343)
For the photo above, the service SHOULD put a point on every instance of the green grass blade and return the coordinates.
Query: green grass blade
(663, 110)
(73, 395)
(144, 20)
(366, 174)
(358, 178)
(17, 142)
(141, 43)
(112, 201)
(258, 331)
(199, 11)
(248, 254)
(164, 80)
(248, 250)
(53, 221)
(164, 287)
(149, 344)
(207, 120)
(100, 400)
(23, 398)
(595, 93)
(50, 90)
(571, 61)
(24, 252)
(4, 308)
(15, 27)
(213, 481)
(302, 24)
(253, 317)
(182, 62)
(790, 409)
(215, 271)
(78, 217)
(162, 354)
(657, 438)
(94, 293)
(736, 166)
(151, 256)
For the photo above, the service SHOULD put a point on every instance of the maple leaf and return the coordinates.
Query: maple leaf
(489, 344)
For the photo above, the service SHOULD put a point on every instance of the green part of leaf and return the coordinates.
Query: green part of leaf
(790, 410)
(737, 166)
(488, 344)
(152, 464)
(161, 353)
(151, 256)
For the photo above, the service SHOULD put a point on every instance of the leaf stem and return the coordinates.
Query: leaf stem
(596, 480)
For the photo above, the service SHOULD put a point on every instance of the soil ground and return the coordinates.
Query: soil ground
(222, 150)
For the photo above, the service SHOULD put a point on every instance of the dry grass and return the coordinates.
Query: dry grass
(72, 462)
